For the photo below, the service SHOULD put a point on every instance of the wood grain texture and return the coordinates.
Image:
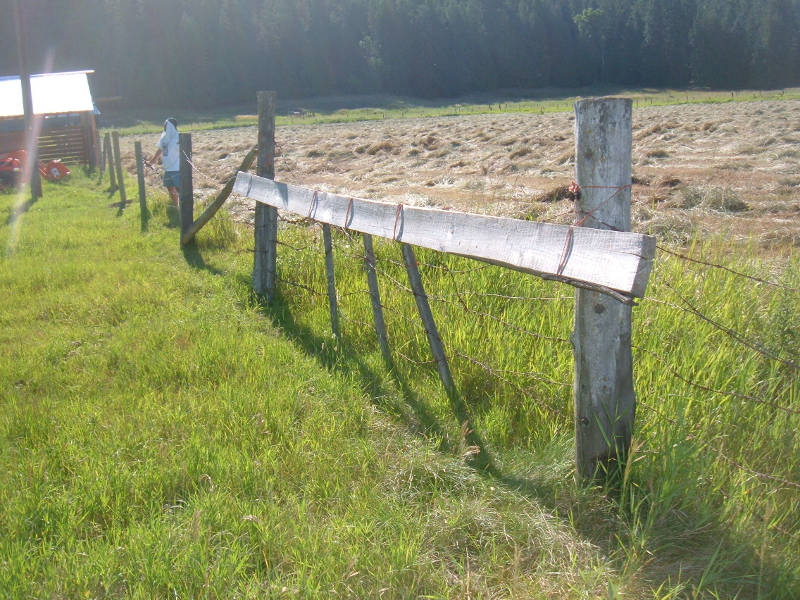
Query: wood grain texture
(186, 191)
(605, 403)
(266, 217)
(616, 263)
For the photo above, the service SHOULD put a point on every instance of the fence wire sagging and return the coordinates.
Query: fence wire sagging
(707, 373)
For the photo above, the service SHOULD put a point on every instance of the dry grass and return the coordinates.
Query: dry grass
(704, 168)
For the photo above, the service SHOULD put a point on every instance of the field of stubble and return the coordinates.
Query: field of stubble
(724, 169)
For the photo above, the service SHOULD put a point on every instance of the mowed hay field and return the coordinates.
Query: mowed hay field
(730, 169)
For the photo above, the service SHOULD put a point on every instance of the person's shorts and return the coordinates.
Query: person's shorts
(172, 179)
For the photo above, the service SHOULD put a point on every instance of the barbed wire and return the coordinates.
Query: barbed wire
(498, 374)
(724, 268)
(739, 337)
(705, 388)
(464, 298)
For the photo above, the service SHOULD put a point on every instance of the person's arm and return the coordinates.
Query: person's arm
(156, 156)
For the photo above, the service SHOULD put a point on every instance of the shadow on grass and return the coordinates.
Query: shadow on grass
(19, 210)
(343, 357)
(692, 547)
(195, 259)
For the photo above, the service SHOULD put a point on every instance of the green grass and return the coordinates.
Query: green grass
(347, 109)
(164, 433)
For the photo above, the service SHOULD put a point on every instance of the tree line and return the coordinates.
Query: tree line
(215, 52)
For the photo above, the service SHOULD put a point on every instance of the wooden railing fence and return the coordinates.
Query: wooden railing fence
(609, 265)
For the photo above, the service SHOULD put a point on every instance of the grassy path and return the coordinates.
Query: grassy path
(165, 435)
(160, 439)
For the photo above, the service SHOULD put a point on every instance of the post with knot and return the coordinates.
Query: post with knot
(605, 404)
(266, 217)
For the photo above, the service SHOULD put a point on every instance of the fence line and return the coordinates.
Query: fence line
(345, 214)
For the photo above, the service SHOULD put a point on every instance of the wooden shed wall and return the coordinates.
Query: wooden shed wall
(72, 144)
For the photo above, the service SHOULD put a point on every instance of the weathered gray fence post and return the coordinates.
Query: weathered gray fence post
(424, 309)
(110, 155)
(326, 236)
(118, 165)
(140, 177)
(186, 194)
(375, 296)
(605, 404)
(266, 217)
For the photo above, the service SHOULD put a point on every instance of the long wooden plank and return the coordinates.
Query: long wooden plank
(617, 263)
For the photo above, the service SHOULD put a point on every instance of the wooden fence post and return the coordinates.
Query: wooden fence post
(110, 155)
(140, 177)
(102, 163)
(605, 403)
(375, 296)
(326, 236)
(266, 217)
(118, 162)
(186, 193)
(424, 309)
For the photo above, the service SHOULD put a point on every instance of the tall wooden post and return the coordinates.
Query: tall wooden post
(31, 128)
(118, 167)
(334, 307)
(186, 193)
(605, 403)
(266, 217)
(140, 177)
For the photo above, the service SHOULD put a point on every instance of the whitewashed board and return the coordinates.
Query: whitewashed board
(618, 263)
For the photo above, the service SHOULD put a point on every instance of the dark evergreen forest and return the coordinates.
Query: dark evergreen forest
(215, 52)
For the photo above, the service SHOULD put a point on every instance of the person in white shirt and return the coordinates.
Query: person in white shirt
(169, 153)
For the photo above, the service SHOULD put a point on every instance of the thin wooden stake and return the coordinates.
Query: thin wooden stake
(186, 193)
(140, 177)
(605, 403)
(110, 156)
(118, 162)
(326, 236)
(102, 165)
(375, 296)
(266, 217)
(424, 309)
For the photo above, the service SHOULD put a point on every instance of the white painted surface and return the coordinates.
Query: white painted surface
(53, 93)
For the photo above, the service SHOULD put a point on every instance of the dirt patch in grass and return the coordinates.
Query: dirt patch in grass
(705, 168)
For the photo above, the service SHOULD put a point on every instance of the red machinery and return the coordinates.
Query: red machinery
(12, 168)
(53, 170)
